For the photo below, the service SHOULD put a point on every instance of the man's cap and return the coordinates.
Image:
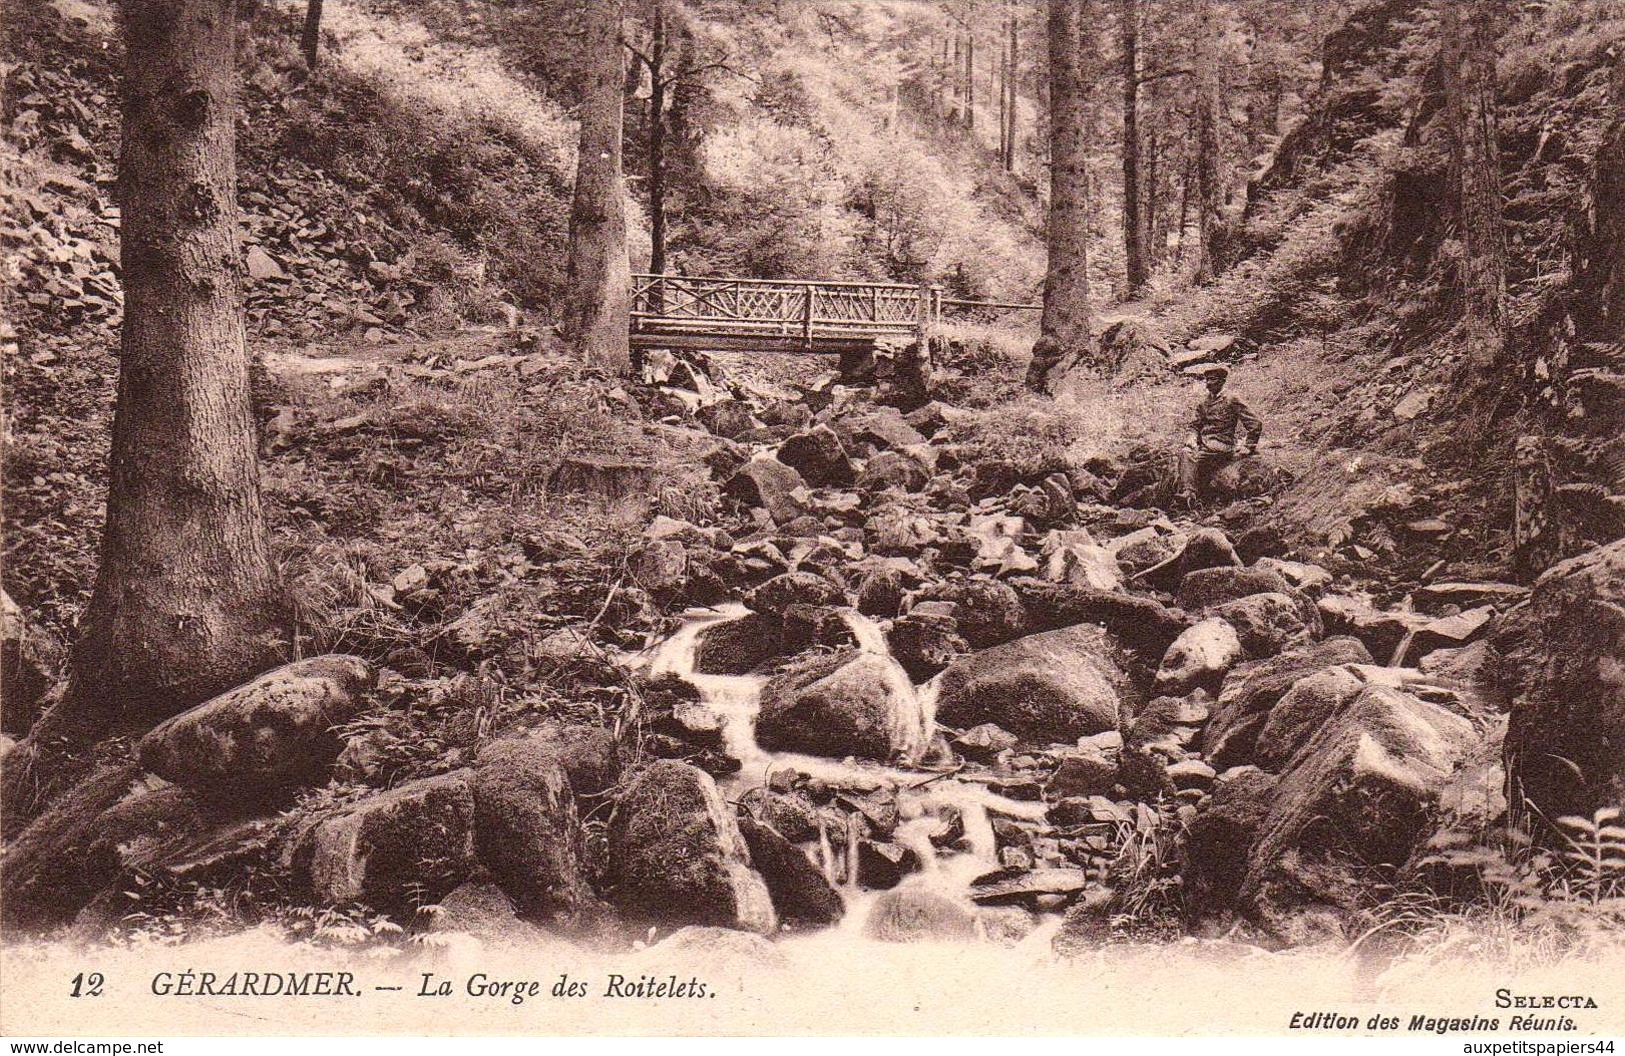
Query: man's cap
(1209, 370)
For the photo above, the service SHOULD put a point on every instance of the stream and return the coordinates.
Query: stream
(924, 797)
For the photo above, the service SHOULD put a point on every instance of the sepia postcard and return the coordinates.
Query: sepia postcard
(799, 518)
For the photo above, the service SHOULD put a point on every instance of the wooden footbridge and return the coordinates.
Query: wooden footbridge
(779, 315)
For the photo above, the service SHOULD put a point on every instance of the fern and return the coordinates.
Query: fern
(1595, 853)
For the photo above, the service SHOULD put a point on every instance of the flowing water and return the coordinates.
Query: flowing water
(923, 796)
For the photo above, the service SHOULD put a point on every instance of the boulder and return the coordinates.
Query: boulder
(1311, 702)
(1461, 665)
(982, 744)
(918, 914)
(1221, 837)
(729, 419)
(1085, 772)
(1141, 624)
(1207, 587)
(1564, 736)
(1382, 631)
(527, 832)
(1260, 542)
(1302, 576)
(1191, 774)
(1204, 548)
(847, 703)
(988, 613)
(1447, 632)
(882, 865)
(28, 664)
(893, 469)
(801, 895)
(271, 734)
(1265, 623)
(1074, 557)
(881, 428)
(770, 485)
(1006, 925)
(485, 912)
(659, 566)
(589, 755)
(1357, 796)
(925, 643)
(396, 850)
(110, 824)
(819, 456)
(676, 854)
(1142, 549)
(1248, 478)
(738, 647)
(776, 596)
(1251, 690)
(882, 592)
(737, 959)
(1055, 686)
(792, 814)
(1199, 658)
(1025, 886)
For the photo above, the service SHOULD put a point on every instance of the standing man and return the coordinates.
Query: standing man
(1212, 443)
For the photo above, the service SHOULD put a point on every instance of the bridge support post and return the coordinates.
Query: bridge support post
(807, 316)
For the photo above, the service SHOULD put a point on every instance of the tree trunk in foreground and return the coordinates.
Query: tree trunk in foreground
(1066, 283)
(598, 278)
(186, 602)
(1469, 77)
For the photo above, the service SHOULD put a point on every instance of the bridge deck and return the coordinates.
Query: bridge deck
(680, 311)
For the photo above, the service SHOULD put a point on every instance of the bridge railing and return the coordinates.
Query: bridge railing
(787, 308)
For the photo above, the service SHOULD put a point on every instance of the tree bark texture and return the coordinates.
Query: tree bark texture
(1011, 67)
(1066, 283)
(598, 278)
(186, 602)
(657, 141)
(1134, 232)
(1469, 76)
(311, 40)
(970, 71)
(1208, 174)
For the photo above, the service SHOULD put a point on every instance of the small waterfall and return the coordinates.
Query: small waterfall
(923, 798)
(869, 636)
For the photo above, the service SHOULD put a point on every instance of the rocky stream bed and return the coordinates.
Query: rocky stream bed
(915, 695)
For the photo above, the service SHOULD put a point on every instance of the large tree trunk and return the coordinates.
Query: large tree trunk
(1134, 247)
(599, 272)
(1469, 29)
(1066, 284)
(311, 40)
(186, 602)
